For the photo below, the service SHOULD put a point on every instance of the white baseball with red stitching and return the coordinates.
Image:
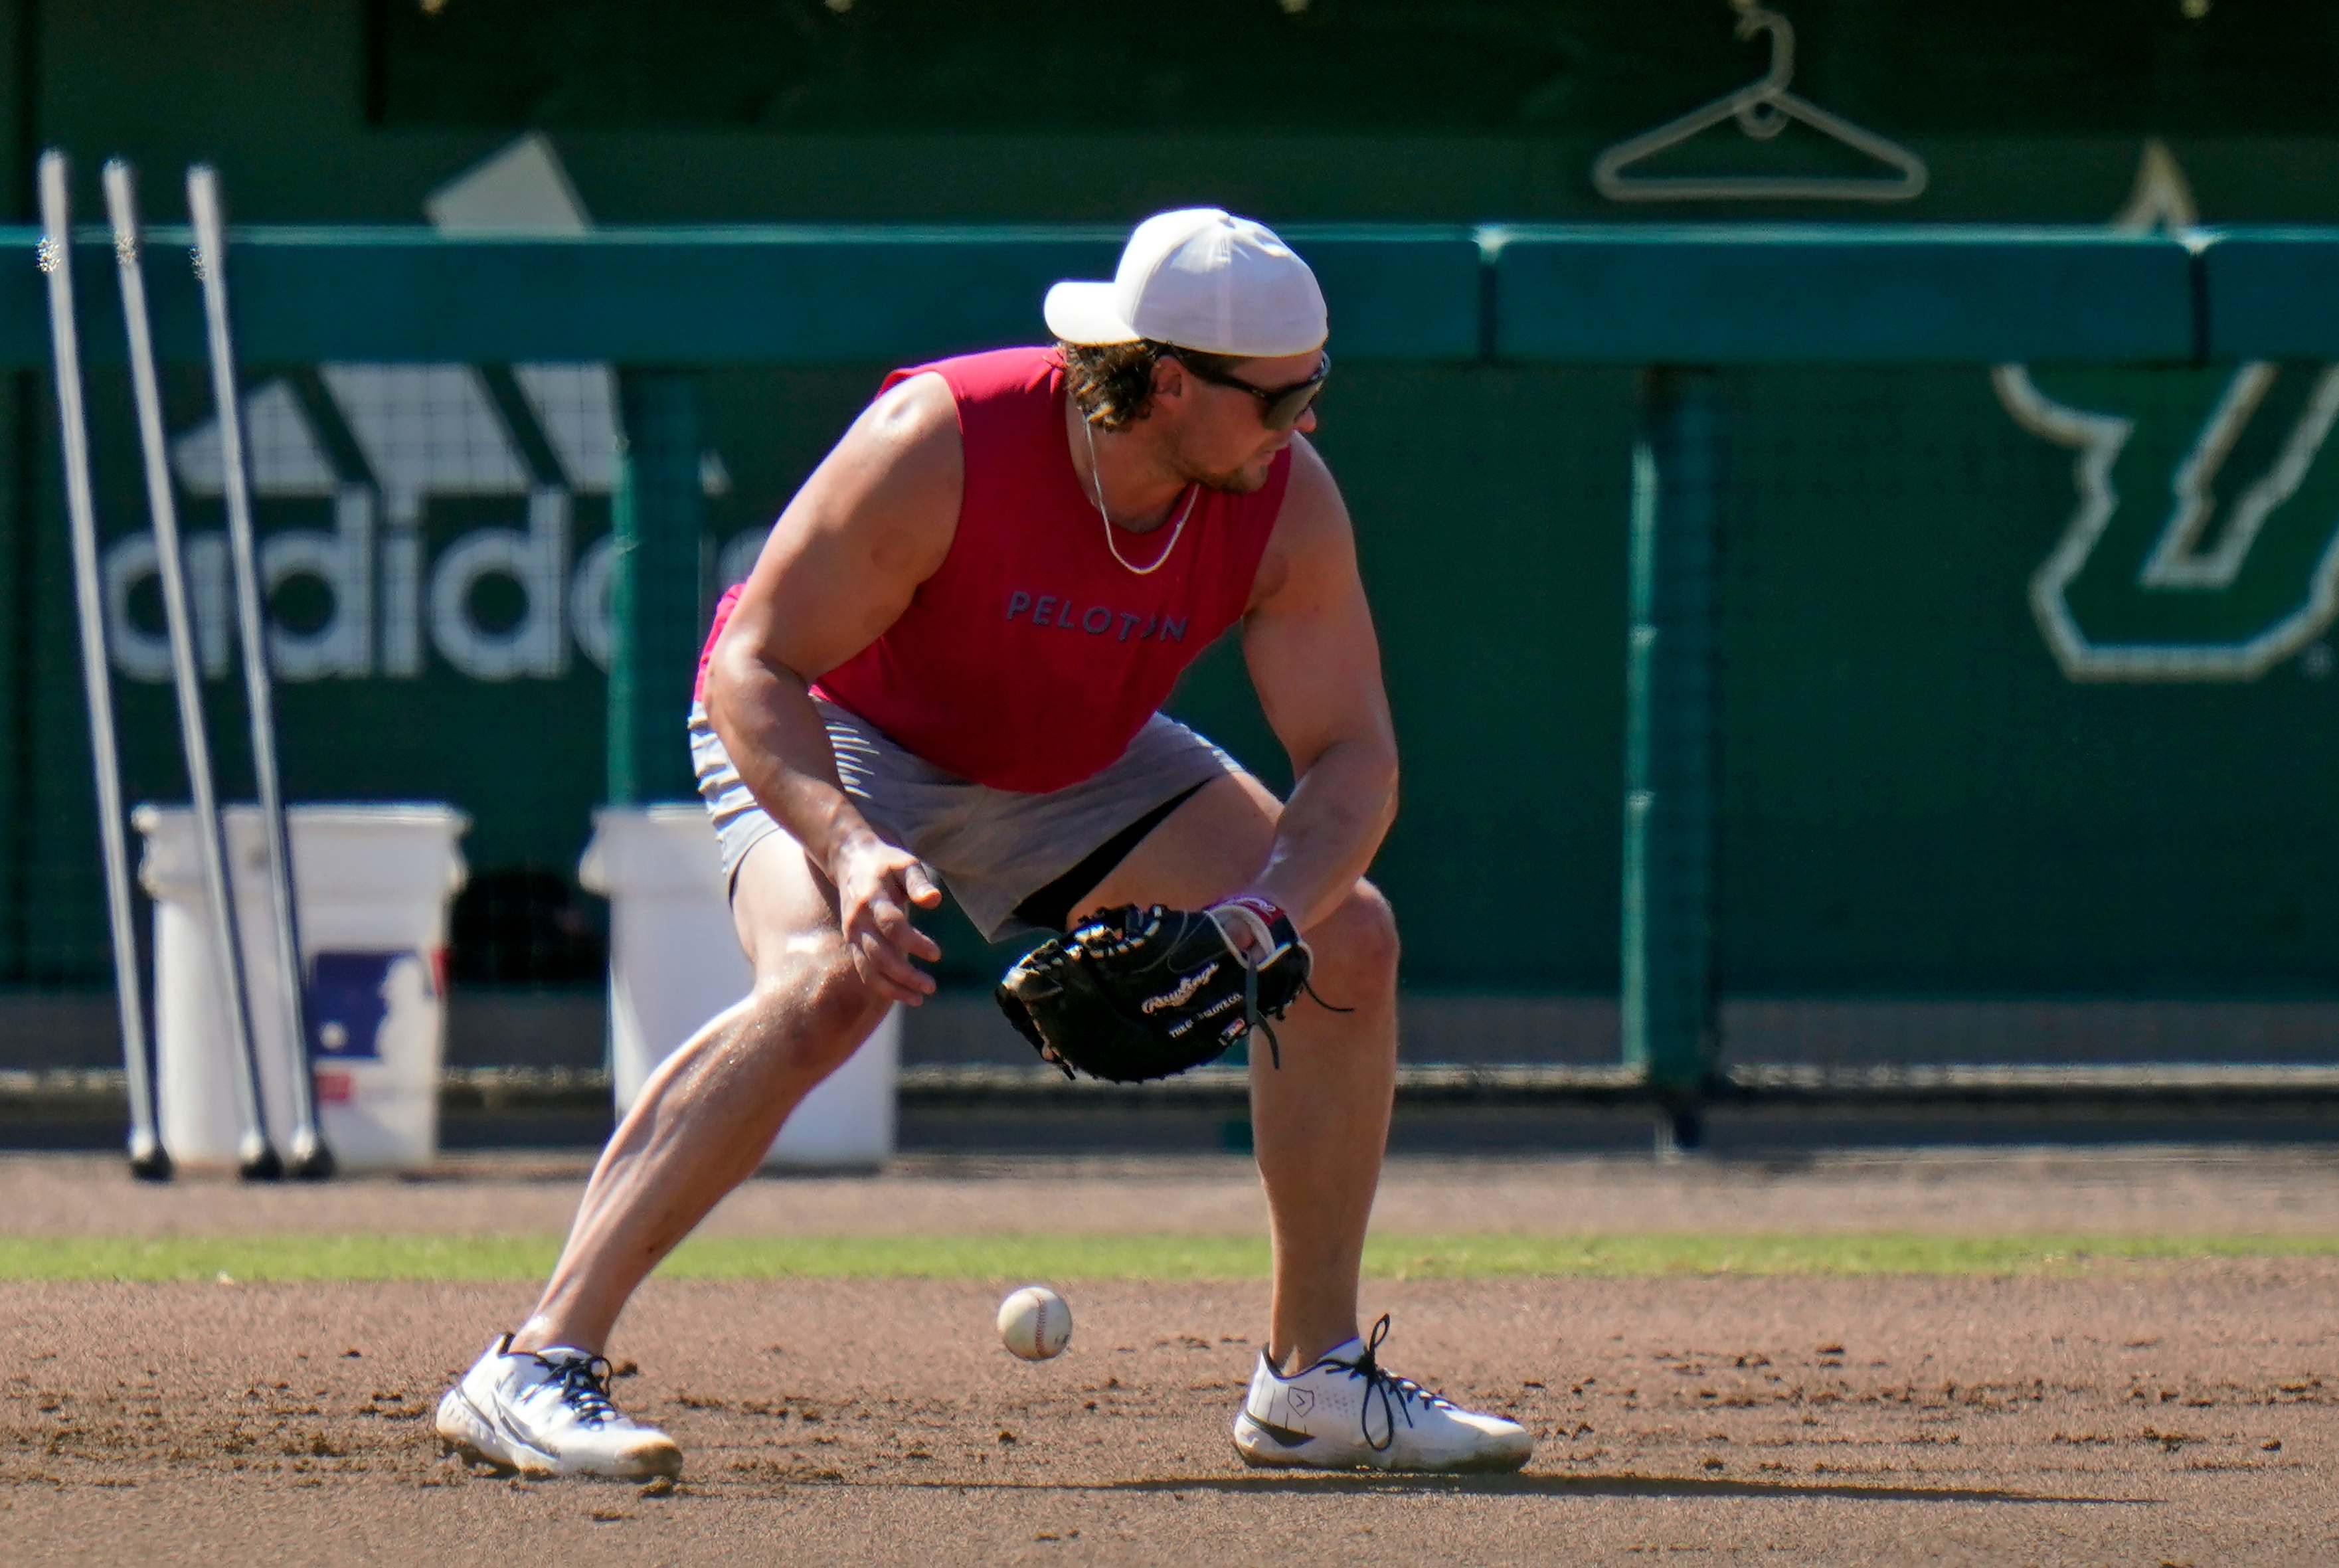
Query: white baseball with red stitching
(1035, 1323)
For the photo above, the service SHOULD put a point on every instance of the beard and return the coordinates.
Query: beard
(1245, 480)
(1237, 482)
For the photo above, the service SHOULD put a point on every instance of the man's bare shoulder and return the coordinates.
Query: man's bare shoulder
(908, 435)
(894, 480)
(874, 520)
(1312, 534)
(1311, 499)
(915, 412)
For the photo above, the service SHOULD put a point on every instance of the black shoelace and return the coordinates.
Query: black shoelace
(584, 1387)
(1397, 1395)
(1254, 1018)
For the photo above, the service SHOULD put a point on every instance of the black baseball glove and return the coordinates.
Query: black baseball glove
(1142, 993)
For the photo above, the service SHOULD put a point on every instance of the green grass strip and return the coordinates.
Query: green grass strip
(369, 1256)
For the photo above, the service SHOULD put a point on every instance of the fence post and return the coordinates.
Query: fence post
(653, 591)
(1669, 1020)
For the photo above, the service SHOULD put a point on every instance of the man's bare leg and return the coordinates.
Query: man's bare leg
(1320, 1122)
(704, 1119)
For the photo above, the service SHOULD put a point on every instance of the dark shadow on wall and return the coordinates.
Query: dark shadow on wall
(525, 925)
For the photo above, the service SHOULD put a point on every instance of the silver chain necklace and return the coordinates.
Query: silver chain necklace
(1096, 481)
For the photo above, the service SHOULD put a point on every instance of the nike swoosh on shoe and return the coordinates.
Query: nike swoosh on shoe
(1283, 1435)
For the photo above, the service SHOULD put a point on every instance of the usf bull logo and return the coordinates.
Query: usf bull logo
(2203, 545)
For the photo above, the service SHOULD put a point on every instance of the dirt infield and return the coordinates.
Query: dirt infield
(2143, 1415)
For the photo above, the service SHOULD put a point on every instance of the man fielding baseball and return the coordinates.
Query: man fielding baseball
(949, 663)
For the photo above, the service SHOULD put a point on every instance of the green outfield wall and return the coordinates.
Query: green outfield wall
(2025, 658)
(2020, 665)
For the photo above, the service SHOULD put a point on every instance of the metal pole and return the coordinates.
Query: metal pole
(623, 788)
(256, 1157)
(308, 1158)
(1671, 1020)
(654, 598)
(148, 1160)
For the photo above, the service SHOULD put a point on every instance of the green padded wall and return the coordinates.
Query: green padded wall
(1918, 795)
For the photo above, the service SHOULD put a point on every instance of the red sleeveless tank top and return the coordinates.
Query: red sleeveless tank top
(1029, 660)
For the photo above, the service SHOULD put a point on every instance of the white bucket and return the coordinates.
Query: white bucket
(372, 883)
(674, 962)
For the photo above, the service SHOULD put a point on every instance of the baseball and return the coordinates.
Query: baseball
(1034, 1323)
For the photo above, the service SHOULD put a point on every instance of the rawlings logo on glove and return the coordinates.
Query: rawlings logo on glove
(1134, 994)
(1184, 992)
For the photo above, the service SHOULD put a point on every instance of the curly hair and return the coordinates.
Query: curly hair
(1113, 382)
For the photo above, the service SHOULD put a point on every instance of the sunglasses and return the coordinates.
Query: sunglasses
(1280, 407)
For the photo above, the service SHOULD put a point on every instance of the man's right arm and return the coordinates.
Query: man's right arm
(873, 522)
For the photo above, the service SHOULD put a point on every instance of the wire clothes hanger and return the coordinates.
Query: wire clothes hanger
(1763, 109)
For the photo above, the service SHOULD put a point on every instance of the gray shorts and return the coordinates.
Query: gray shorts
(992, 848)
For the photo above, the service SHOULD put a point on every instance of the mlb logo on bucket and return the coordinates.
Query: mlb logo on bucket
(352, 994)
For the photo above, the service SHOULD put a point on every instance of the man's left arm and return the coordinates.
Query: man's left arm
(1316, 663)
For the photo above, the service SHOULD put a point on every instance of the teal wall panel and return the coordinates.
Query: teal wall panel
(1612, 293)
(1753, 295)
(768, 295)
(2273, 295)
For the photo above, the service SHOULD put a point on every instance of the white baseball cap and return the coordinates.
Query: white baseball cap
(1200, 279)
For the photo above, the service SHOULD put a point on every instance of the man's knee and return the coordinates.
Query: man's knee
(814, 999)
(1355, 948)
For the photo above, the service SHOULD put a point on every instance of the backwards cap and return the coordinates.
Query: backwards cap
(1200, 279)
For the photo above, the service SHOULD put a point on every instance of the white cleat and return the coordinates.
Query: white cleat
(548, 1413)
(1348, 1412)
